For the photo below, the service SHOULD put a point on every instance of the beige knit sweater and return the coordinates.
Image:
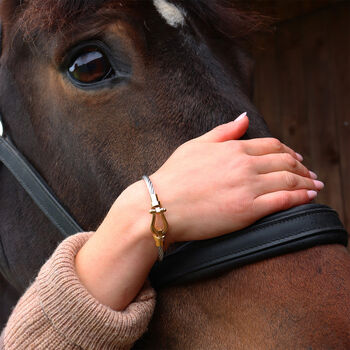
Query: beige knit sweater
(57, 312)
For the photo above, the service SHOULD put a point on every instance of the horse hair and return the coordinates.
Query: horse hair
(229, 18)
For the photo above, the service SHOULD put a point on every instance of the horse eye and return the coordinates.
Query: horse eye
(91, 66)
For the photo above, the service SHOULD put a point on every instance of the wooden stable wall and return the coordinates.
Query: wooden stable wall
(302, 88)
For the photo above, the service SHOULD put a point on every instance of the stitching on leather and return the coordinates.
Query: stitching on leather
(263, 226)
(199, 267)
(296, 217)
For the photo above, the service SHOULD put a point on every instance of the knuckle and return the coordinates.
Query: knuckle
(291, 162)
(304, 171)
(248, 161)
(246, 165)
(240, 207)
(304, 197)
(285, 200)
(290, 180)
(276, 144)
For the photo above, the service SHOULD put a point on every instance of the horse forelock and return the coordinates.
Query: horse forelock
(224, 16)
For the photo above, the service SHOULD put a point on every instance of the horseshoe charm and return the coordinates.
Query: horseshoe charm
(159, 232)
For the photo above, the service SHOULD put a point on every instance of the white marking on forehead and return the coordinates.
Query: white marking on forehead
(171, 13)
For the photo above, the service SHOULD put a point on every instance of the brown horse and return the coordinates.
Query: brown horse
(97, 93)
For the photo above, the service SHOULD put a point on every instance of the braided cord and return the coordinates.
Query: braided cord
(158, 234)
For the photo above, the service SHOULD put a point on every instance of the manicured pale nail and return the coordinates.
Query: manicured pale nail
(312, 194)
(300, 157)
(241, 117)
(313, 175)
(319, 184)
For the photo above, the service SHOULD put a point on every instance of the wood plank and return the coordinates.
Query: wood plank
(339, 41)
(280, 94)
(283, 10)
(309, 83)
(266, 94)
(293, 99)
(321, 98)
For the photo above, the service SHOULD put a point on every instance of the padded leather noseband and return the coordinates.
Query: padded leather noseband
(296, 229)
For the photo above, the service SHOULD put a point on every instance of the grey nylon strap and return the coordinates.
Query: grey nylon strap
(36, 187)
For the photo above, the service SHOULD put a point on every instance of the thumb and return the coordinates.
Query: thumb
(225, 132)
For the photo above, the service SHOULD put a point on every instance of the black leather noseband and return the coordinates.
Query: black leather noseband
(296, 229)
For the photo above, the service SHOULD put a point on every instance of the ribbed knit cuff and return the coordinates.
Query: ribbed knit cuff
(57, 312)
(80, 318)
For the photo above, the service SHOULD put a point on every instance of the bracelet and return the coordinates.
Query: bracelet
(157, 210)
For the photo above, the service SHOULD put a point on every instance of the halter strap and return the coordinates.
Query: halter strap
(33, 183)
(36, 187)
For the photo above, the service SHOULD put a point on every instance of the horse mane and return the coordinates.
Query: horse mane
(229, 18)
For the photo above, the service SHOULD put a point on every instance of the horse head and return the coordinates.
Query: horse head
(96, 94)
(160, 74)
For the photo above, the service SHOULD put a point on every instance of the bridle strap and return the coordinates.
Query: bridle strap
(36, 187)
(34, 184)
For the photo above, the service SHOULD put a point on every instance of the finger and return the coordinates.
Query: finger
(259, 147)
(272, 202)
(225, 132)
(278, 162)
(285, 181)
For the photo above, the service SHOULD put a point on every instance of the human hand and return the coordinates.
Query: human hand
(210, 186)
(216, 184)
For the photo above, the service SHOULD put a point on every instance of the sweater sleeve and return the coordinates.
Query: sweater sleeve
(57, 312)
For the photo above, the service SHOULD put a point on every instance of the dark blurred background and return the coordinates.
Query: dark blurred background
(302, 88)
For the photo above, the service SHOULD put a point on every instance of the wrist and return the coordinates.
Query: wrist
(130, 213)
(114, 264)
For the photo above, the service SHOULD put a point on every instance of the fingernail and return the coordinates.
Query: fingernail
(312, 194)
(241, 117)
(313, 175)
(319, 184)
(300, 157)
